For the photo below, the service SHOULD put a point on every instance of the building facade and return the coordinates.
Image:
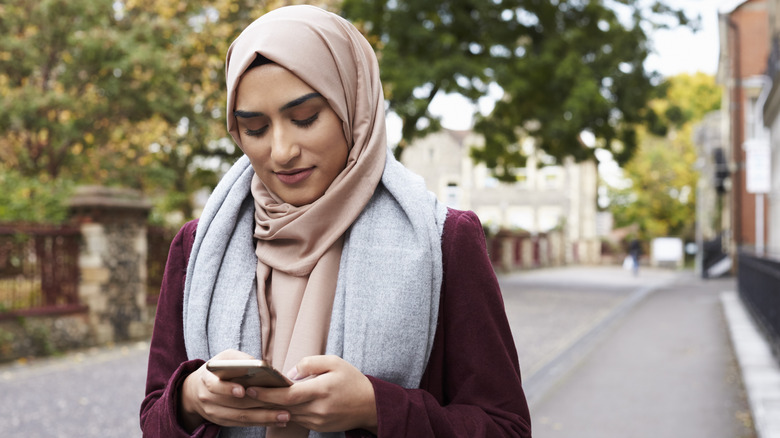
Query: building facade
(544, 198)
(771, 119)
(742, 71)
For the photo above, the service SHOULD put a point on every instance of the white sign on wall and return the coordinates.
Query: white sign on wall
(667, 251)
(757, 166)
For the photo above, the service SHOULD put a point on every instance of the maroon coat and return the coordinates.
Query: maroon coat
(470, 388)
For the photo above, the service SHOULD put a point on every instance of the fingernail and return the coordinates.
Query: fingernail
(293, 373)
(236, 392)
(283, 418)
(251, 392)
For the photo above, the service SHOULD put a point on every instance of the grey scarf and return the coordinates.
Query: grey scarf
(387, 296)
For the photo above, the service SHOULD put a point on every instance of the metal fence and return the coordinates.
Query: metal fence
(759, 286)
(38, 268)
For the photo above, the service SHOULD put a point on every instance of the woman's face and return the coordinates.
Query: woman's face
(290, 133)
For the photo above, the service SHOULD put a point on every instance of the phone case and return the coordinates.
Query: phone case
(249, 373)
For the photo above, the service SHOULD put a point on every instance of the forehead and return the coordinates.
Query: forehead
(269, 84)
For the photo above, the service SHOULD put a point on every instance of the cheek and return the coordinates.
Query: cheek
(337, 143)
(257, 151)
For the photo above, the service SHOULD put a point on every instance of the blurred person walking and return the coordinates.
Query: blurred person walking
(635, 251)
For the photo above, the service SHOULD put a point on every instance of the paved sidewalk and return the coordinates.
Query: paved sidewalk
(557, 314)
(92, 393)
(660, 365)
(603, 354)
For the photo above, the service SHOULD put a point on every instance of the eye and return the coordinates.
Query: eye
(305, 123)
(256, 132)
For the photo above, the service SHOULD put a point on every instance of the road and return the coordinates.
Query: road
(558, 318)
(91, 393)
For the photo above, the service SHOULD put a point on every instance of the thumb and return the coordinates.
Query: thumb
(312, 366)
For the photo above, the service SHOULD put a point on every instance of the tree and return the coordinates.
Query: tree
(425, 48)
(83, 92)
(661, 189)
(191, 154)
(565, 66)
(74, 77)
(122, 92)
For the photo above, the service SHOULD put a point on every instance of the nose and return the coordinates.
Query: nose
(284, 147)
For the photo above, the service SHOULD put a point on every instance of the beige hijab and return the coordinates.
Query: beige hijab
(299, 248)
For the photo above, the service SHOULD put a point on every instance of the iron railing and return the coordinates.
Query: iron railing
(758, 281)
(38, 268)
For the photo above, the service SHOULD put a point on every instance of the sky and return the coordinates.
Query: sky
(675, 51)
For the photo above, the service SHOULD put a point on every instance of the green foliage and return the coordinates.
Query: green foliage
(579, 68)
(32, 199)
(686, 98)
(429, 47)
(6, 341)
(124, 93)
(39, 337)
(75, 78)
(661, 194)
(565, 66)
(131, 92)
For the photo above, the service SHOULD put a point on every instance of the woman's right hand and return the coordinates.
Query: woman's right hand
(204, 397)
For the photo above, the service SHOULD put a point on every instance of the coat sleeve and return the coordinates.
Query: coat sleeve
(168, 364)
(472, 385)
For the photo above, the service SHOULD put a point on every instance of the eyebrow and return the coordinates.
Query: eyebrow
(299, 101)
(291, 104)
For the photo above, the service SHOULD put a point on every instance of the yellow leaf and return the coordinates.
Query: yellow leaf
(30, 31)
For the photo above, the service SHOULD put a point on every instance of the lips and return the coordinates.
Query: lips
(294, 176)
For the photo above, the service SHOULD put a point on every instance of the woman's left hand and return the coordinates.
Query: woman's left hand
(329, 394)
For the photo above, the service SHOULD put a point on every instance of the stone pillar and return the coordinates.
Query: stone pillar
(112, 260)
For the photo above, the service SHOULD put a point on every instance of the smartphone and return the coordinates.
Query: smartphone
(248, 372)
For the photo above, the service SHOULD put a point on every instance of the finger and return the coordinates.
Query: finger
(277, 398)
(313, 366)
(223, 387)
(207, 397)
(215, 385)
(239, 417)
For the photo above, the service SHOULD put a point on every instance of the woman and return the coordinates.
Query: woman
(322, 254)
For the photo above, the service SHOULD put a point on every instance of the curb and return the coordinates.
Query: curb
(759, 368)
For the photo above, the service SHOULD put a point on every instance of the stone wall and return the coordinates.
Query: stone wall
(113, 261)
(43, 335)
(112, 285)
